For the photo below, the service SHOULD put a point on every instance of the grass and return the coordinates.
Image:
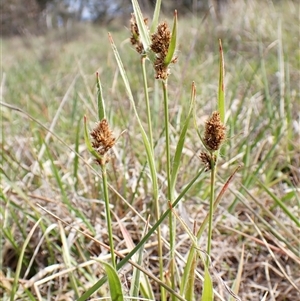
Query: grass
(48, 84)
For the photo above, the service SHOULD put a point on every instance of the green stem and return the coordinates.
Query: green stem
(143, 63)
(167, 132)
(157, 208)
(108, 217)
(211, 205)
(184, 191)
(170, 191)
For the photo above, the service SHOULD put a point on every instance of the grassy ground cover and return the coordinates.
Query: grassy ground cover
(52, 200)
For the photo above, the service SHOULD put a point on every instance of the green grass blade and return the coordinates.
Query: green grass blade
(252, 177)
(180, 144)
(143, 30)
(19, 265)
(155, 16)
(237, 282)
(188, 265)
(115, 287)
(64, 196)
(221, 94)
(172, 46)
(76, 159)
(147, 145)
(184, 286)
(266, 84)
(30, 295)
(286, 235)
(280, 204)
(189, 279)
(67, 259)
(208, 292)
(100, 100)
(140, 282)
(184, 191)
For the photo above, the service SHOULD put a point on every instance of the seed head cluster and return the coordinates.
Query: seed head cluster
(135, 35)
(160, 45)
(161, 39)
(208, 160)
(103, 141)
(215, 132)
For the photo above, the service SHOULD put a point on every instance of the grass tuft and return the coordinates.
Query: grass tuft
(165, 190)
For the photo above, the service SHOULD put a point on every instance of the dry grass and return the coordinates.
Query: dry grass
(262, 79)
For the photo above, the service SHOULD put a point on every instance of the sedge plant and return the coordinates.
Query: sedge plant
(158, 45)
(263, 110)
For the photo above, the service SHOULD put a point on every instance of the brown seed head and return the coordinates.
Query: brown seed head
(103, 140)
(135, 35)
(207, 159)
(160, 45)
(161, 40)
(215, 132)
(162, 71)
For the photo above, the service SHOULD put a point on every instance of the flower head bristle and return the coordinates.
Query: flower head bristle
(103, 140)
(161, 40)
(160, 45)
(135, 35)
(208, 160)
(215, 132)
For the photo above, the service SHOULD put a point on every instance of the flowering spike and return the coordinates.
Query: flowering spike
(103, 141)
(215, 133)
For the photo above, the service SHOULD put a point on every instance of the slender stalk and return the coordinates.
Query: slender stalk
(184, 191)
(160, 251)
(150, 133)
(167, 132)
(170, 192)
(211, 206)
(157, 207)
(108, 217)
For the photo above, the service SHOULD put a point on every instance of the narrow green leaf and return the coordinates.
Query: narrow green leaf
(76, 159)
(221, 96)
(143, 30)
(172, 46)
(201, 230)
(190, 280)
(238, 279)
(208, 291)
(180, 144)
(140, 282)
(67, 259)
(99, 283)
(155, 16)
(100, 100)
(150, 156)
(114, 282)
(187, 271)
(280, 204)
(29, 295)
(20, 261)
(65, 199)
(88, 141)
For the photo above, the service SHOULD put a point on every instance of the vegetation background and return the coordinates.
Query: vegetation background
(48, 84)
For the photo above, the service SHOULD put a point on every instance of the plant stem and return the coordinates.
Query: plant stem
(145, 238)
(155, 195)
(108, 217)
(211, 206)
(143, 63)
(170, 192)
(167, 132)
